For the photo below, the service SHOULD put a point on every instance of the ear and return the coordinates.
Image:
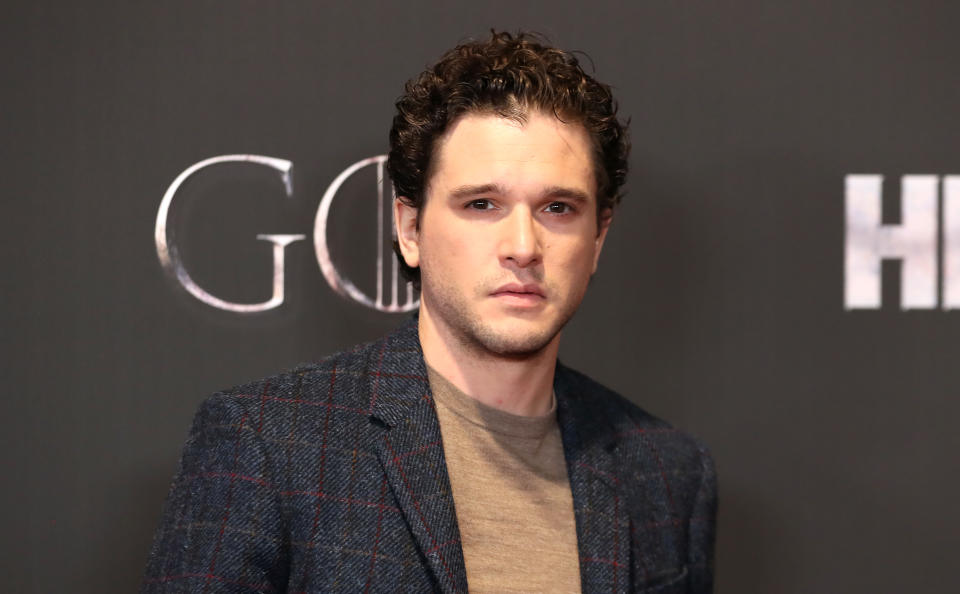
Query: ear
(408, 236)
(606, 217)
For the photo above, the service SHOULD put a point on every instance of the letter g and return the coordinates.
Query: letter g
(170, 256)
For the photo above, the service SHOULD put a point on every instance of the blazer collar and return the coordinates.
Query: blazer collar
(590, 447)
(410, 450)
(397, 375)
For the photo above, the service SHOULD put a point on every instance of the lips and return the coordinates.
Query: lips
(529, 290)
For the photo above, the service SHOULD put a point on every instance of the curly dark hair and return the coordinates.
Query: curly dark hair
(507, 75)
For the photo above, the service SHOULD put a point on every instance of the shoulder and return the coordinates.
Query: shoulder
(637, 434)
(294, 399)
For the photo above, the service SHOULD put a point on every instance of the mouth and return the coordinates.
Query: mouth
(518, 294)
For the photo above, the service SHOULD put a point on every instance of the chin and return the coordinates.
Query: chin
(513, 344)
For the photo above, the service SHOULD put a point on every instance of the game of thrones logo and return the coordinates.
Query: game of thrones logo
(391, 293)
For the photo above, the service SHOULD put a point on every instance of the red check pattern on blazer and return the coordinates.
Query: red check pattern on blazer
(332, 478)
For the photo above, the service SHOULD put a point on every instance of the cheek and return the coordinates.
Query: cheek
(579, 256)
(572, 267)
(446, 249)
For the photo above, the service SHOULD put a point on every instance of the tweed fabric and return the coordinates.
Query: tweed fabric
(331, 478)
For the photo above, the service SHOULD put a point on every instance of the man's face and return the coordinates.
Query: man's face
(508, 235)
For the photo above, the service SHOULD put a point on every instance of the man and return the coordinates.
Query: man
(457, 452)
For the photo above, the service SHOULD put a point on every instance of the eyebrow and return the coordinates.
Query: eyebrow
(568, 193)
(467, 191)
(474, 190)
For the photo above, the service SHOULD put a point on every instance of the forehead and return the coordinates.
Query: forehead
(481, 148)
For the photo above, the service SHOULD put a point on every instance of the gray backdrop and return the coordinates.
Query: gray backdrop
(721, 286)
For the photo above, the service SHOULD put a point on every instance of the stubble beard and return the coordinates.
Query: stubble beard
(452, 310)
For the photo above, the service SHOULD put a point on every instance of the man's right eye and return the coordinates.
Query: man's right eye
(479, 204)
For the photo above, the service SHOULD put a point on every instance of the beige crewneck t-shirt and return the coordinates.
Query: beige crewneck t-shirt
(511, 493)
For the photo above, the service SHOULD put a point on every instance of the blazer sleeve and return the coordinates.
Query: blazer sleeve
(702, 527)
(222, 528)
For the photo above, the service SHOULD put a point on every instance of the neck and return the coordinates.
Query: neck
(517, 385)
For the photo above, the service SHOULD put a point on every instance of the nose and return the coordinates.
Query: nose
(519, 242)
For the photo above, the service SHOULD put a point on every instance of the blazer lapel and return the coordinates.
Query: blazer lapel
(600, 510)
(410, 450)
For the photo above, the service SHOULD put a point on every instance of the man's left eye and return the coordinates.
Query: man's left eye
(559, 208)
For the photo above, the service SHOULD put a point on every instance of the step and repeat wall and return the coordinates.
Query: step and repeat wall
(194, 197)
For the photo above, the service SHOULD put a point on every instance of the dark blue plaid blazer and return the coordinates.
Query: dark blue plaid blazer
(332, 478)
